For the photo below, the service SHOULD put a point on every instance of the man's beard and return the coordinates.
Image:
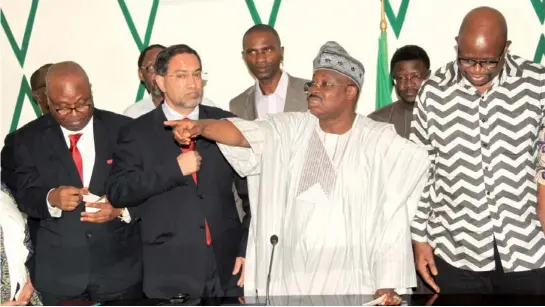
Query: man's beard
(189, 103)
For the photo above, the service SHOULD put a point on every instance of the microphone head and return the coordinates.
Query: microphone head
(274, 239)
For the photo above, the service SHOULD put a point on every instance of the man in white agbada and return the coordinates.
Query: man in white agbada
(337, 188)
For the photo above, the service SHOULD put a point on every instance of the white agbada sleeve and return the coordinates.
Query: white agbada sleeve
(276, 131)
(265, 163)
(401, 174)
(14, 233)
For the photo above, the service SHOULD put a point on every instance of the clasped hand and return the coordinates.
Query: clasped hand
(68, 198)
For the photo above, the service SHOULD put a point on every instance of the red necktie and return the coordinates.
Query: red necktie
(191, 147)
(76, 155)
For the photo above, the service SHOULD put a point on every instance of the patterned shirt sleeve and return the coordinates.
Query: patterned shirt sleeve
(540, 174)
(419, 135)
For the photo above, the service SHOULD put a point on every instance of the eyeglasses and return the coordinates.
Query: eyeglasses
(183, 77)
(407, 79)
(79, 109)
(150, 69)
(486, 64)
(324, 85)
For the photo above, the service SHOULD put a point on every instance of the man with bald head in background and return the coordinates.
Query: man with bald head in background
(83, 250)
(37, 84)
(476, 228)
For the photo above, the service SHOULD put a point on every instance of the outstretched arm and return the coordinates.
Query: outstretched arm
(217, 130)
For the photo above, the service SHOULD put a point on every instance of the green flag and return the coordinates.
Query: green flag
(384, 83)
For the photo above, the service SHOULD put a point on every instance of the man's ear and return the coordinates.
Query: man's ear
(507, 44)
(140, 75)
(160, 80)
(352, 92)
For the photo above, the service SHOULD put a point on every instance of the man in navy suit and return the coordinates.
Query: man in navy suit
(193, 240)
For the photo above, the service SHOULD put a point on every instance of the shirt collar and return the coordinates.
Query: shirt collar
(87, 129)
(280, 91)
(171, 114)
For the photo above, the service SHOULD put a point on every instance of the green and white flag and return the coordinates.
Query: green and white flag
(384, 82)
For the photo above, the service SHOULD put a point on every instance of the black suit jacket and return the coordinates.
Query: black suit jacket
(173, 208)
(70, 254)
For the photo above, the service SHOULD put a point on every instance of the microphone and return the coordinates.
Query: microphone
(274, 241)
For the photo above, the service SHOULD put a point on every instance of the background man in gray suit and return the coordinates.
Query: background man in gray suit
(275, 91)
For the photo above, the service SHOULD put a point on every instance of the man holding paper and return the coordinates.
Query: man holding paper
(337, 188)
(54, 164)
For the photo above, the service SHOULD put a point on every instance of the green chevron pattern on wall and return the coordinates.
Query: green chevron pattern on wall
(396, 21)
(20, 53)
(255, 14)
(140, 44)
(18, 27)
(539, 8)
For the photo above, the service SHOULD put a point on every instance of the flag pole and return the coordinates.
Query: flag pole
(383, 24)
(383, 81)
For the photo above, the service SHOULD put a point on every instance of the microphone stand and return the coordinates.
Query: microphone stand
(274, 241)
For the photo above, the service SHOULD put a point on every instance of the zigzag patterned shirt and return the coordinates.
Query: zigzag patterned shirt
(483, 149)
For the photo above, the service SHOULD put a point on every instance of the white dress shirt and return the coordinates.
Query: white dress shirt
(146, 105)
(86, 147)
(171, 114)
(273, 103)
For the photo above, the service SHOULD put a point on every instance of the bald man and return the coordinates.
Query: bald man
(37, 84)
(85, 248)
(476, 228)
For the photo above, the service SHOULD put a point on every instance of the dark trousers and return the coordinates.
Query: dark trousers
(90, 294)
(212, 285)
(452, 280)
(421, 286)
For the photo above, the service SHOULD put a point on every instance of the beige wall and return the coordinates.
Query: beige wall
(95, 34)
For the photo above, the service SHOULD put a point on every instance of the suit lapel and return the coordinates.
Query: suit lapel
(102, 148)
(55, 138)
(170, 149)
(293, 97)
(252, 109)
(165, 139)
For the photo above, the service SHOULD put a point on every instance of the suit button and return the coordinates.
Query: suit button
(89, 235)
(201, 196)
(201, 228)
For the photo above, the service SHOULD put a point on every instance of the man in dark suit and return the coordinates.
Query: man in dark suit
(275, 91)
(37, 84)
(193, 240)
(83, 251)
